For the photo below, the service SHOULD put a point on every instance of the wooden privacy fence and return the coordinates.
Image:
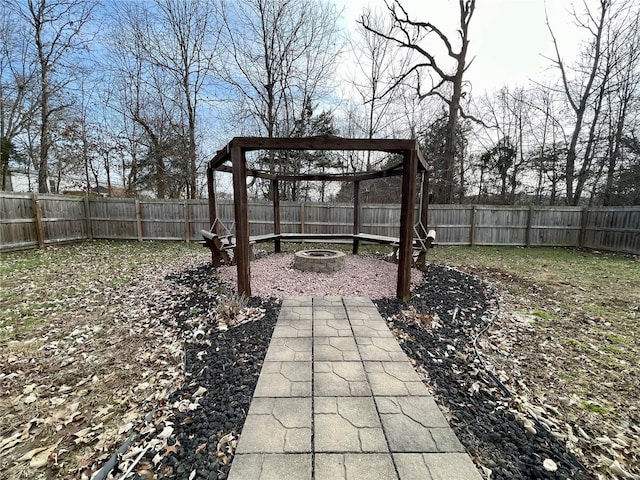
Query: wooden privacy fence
(32, 220)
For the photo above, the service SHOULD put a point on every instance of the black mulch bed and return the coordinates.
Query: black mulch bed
(228, 364)
(476, 402)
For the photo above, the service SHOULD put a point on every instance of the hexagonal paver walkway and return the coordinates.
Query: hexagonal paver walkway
(338, 399)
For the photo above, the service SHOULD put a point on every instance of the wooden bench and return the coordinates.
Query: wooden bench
(222, 246)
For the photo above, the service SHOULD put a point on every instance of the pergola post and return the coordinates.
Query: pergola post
(356, 216)
(408, 201)
(241, 210)
(275, 189)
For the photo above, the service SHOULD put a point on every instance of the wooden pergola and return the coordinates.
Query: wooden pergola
(413, 163)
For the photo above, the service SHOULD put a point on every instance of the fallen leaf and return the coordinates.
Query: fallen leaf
(44, 457)
(200, 392)
(30, 454)
(30, 398)
(170, 449)
(125, 428)
(165, 433)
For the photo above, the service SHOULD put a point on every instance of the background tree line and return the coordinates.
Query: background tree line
(135, 96)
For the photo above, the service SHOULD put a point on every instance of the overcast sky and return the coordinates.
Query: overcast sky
(508, 37)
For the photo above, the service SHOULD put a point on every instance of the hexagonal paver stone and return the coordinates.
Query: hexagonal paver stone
(289, 349)
(380, 349)
(331, 328)
(329, 313)
(300, 301)
(416, 424)
(371, 329)
(277, 425)
(295, 313)
(347, 424)
(271, 466)
(394, 378)
(364, 314)
(354, 466)
(335, 349)
(293, 328)
(435, 466)
(350, 302)
(340, 379)
(328, 301)
(422, 410)
(284, 379)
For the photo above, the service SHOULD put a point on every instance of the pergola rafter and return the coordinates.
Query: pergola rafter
(413, 162)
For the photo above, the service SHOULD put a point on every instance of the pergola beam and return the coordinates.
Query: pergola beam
(323, 143)
(394, 171)
(317, 143)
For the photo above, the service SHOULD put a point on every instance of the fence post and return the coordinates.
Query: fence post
(301, 217)
(87, 216)
(584, 214)
(472, 230)
(138, 220)
(187, 222)
(528, 234)
(37, 213)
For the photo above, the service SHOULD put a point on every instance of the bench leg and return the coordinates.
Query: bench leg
(215, 258)
(421, 261)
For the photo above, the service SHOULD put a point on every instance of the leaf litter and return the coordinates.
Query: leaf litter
(563, 345)
(79, 376)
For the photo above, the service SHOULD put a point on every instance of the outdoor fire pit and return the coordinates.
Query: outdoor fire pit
(322, 261)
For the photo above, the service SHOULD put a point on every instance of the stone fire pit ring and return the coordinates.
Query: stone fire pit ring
(319, 260)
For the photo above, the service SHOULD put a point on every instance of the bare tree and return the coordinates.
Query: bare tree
(282, 54)
(445, 77)
(181, 38)
(56, 29)
(160, 75)
(548, 140)
(508, 110)
(623, 99)
(602, 75)
(18, 90)
(376, 62)
(580, 93)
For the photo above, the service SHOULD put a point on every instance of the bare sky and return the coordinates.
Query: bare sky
(508, 37)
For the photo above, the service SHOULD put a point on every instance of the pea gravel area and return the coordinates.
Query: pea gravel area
(273, 276)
